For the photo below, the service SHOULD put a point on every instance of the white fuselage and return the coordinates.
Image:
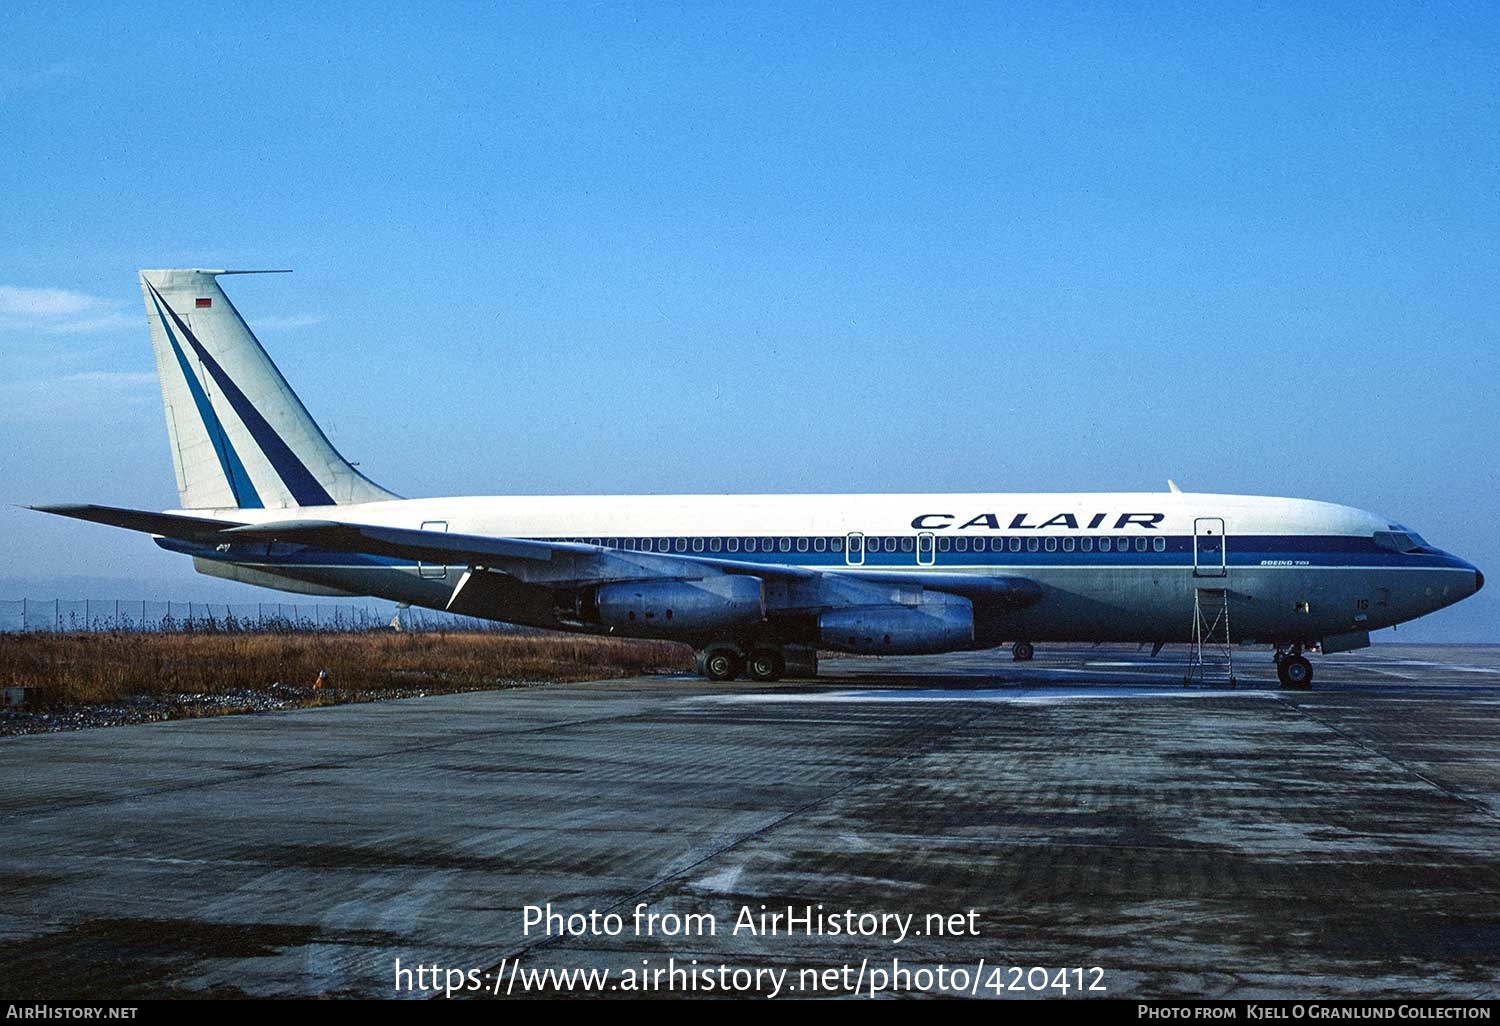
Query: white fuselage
(1113, 566)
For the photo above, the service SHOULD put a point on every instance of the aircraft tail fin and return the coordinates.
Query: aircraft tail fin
(240, 437)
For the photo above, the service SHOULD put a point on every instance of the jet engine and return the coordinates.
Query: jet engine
(937, 623)
(675, 608)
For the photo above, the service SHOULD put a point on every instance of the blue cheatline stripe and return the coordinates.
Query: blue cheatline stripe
(240, 485)
(305, 488)
(259, 553)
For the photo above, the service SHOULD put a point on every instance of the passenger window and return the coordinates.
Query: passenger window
(1032, 544)
(1104, 544)
(732, 544)
(1159, 544)
(960, 545)
(1015, 545)
(697, 544)
(786, 545)
(820, 544)
(663, 545)
(835, 544)
(680, 544)
(801, 544)
(1086, 544)
(1051, 544)
(1140, 545)
(714, 545)
(1067, 544)
(979, 544)
(944, 543)
(907, 545)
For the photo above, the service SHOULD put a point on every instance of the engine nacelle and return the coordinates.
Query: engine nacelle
(669, 608)
(939, 623)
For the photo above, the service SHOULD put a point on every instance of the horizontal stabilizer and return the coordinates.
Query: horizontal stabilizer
(171, 525)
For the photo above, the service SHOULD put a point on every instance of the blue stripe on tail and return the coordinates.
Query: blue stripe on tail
(305, 488)
(245, 495)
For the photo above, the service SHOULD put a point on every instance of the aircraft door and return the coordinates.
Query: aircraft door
(1209, 548)
(433, 571)
(854, 549)
(926, 548)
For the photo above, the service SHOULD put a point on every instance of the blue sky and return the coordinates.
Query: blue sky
(613, 248)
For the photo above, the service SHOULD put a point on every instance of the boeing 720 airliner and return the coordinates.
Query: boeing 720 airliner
(756, 583)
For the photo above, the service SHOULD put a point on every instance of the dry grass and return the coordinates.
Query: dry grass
(82, 668)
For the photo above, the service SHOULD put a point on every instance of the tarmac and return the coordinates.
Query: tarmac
(1083, 810)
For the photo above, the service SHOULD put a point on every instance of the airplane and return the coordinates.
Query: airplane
(757, 584)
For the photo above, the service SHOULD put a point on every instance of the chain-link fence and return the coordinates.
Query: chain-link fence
(187, 617)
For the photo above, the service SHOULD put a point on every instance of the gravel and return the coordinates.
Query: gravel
(181, 706)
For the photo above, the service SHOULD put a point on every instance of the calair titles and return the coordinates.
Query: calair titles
(1036, 522)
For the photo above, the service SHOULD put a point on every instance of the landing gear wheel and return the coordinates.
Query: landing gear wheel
(721, 664)
(1295, 672)
(765, 665)
(1022, 652)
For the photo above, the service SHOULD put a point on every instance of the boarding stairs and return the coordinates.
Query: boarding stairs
(1211, 656)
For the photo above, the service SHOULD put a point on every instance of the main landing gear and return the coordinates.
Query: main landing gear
(1022, 652)
(1293, 669)
(720, 663)
(761, 663)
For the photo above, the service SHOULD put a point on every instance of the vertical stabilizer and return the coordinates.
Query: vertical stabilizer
(240, 437)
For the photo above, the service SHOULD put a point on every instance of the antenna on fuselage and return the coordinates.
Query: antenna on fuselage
(1172, 487)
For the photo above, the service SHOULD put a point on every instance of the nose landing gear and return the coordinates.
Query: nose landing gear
(1293, 669)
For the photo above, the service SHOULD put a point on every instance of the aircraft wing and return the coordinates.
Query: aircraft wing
(559, 564)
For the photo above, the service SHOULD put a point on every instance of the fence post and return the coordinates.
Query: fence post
(23, 614)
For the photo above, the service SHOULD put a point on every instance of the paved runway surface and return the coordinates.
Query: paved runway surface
(1255, 842)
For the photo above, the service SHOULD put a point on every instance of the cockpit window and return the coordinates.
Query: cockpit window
(1401, 541)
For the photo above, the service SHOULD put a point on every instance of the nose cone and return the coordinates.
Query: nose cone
(1478, 578)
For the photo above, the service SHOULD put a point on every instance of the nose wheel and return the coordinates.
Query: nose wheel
(1294, 671)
